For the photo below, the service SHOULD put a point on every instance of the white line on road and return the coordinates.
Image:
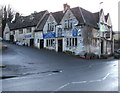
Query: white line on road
(81, 82)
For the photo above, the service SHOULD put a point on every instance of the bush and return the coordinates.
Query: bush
(68, 52)
(91, 56)
(117, 56)
(104, 56)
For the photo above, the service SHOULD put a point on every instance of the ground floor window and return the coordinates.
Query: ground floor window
(50, 42)
(38, 40)
(71, 42)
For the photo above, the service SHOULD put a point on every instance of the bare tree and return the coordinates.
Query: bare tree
(87, 37)
(7, 14)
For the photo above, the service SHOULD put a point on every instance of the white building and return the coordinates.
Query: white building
(73, 29)
(22, 29)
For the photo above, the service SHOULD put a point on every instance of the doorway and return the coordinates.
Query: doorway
(60, 44)
(11, 38)
(31, 42)
(41, 44)
(102, 46)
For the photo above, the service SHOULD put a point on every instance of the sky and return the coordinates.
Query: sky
(26, 7)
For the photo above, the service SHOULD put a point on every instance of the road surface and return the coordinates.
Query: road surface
(31, 69)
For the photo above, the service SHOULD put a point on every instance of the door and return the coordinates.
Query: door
(41, 43)
(11, 38)
(60, 44)
(102, 47)
(31, 42)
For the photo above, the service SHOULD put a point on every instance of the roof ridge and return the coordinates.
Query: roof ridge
(82, 14)
(42, 18)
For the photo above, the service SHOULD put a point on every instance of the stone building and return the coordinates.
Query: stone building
(22, 29)
(73, 29)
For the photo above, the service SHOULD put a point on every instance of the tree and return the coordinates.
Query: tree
(87, 37)
(7, 15)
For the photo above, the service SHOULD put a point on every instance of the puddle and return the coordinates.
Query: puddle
(25, 74)
(7, 77)
(30, 63)
(3, 66)
(54, 71)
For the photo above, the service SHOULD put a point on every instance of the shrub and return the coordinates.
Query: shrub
(68, 52)
(91, 56)
(117, 56)
(104, 56)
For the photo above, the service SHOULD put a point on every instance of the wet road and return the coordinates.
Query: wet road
(42, 70)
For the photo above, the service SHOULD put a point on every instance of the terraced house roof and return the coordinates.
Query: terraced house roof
(36, 19)
(27, 21)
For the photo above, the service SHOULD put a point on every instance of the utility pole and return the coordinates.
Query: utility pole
(99, 30)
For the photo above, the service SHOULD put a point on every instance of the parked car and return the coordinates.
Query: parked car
(117, 54)
(118, 51)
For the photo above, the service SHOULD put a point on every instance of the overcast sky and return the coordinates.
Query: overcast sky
(26, 7)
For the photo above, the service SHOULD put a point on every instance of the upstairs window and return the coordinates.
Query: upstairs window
(21, 31)
(29, 30)
(68, 24)
(50, 26)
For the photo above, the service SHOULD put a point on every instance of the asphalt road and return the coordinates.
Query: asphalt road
(31, 69)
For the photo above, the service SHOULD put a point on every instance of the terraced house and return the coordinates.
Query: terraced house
(22, 29)
(73, 29)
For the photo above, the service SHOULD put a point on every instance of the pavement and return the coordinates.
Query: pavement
(31, 69)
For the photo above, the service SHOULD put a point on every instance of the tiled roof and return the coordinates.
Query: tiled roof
(27, 21)
(85, 17)
(42, 23)
(77, 13)
(58, 16)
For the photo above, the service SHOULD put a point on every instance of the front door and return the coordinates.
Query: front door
(41, 43)
(11, 38)
(31, 42)
(60, 44)
(102, 47)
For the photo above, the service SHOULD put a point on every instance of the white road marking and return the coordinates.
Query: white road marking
(81, 82)
(62, 87)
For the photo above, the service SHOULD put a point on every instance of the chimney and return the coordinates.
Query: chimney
(66, 6)
(17, 15)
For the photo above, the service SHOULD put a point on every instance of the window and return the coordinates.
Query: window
(29, 30)
(75, 41)
(71, 42)
(68, 24)
(21, 31)
(38, 40)
(50, 26)
(94, 42)
(13, 32)
(67, 42)
(49, 42)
